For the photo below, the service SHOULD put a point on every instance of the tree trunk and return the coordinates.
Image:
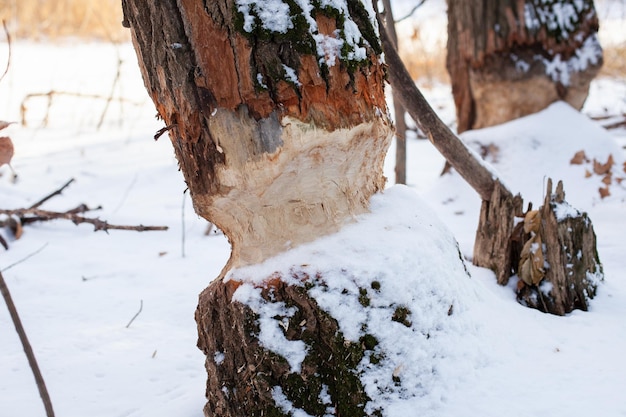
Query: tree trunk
(511, 58)
(278, 119)
(398, 109)
(281, 139)
(244, 375)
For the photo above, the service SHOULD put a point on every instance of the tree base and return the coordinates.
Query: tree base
(246, 379)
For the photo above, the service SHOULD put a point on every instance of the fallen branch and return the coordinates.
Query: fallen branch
(46, 215)
(30, 355)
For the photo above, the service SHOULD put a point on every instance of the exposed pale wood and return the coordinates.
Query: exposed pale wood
(271, 166)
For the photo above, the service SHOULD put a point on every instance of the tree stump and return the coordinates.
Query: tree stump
(567, 244)
(494, 247)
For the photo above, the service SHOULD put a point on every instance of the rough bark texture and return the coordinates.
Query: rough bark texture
(273, 161)
(510, 58)
(494, 247)
(242, 373)
(572, 269)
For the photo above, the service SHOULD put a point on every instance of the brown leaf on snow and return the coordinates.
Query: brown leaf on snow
(6, 150)
(579, 158)
(607, 179)
(624, 166)
(604, 192)
(602, 169)
(587, 173)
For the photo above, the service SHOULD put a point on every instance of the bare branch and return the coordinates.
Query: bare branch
(417, 6)
(30, 355)
(46, 215)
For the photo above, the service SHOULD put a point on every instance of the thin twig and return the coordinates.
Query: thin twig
(110, 99)
(30, 355)
(25, 258)
(54, 193)
(135, 316)
(8, 35)
(417, 6)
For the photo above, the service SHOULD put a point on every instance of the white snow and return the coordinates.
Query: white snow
(490, 357)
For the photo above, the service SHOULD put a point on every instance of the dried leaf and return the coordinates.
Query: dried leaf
(6, 150)
(607, 179)
(579, 158)
(531, 262)
(624, 166)
(602, 169)
(619, 180)
(532, 221)
(604, 192)
(4, 124)
(15, 225)
(587, 173)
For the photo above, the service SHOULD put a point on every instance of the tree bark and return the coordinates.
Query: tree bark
(510, 58)
(278, 144)
(244, 375)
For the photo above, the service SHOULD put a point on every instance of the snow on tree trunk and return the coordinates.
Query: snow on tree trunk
(509, 58)
(277, 114)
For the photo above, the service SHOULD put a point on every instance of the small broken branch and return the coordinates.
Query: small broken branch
(28, 350)
(161, 131)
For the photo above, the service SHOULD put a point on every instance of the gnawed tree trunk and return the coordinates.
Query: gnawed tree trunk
(278, 120)
(281, 137)
(507, 238)
(511, 58)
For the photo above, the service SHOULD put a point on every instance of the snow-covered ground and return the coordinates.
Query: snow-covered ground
(79, 290)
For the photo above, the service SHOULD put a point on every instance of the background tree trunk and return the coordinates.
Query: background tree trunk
(278, 144)
(511, 58)
(398, 108)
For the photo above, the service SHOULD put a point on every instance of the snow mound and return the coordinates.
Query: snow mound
(527, 151)
(396, 276)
